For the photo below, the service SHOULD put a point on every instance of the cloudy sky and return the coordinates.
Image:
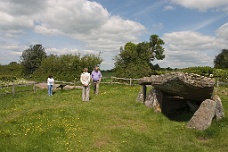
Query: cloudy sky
(194, 31)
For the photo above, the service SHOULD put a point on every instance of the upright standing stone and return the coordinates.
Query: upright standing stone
(154, 100)
(219, 111)
(202, 118)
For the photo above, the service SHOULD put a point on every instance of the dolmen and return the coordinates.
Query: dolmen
(178, 90)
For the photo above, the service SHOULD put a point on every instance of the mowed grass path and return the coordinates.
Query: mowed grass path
(111, 121)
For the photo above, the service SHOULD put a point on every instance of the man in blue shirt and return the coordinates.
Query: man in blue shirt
(96, 78)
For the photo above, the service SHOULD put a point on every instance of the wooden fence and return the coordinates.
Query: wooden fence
(106, 80)
(15, 88)
(125, 81)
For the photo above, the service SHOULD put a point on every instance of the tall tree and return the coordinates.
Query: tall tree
(32, 57)
(135, 60)
(90, 61)
(221, 60)
(156, 47)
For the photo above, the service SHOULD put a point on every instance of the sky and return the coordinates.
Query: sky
(194, 31)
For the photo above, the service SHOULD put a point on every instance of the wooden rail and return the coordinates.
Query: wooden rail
(13, 88)
(110, 80)
(125, 81)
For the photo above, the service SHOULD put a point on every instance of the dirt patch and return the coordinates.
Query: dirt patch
(102, 142)
(57, 86)
(203, 139)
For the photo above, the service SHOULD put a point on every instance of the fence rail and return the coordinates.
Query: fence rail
(12, 89)
(125, 81)
(111, 80)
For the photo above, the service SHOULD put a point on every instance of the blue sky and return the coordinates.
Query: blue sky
(194, 31)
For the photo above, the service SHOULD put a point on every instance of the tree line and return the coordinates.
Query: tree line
(36, 64)
(133, 61)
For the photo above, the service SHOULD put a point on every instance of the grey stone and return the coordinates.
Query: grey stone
(219, 111)
(140, 97)
(202, 118)
(189, 86)
(154, 100)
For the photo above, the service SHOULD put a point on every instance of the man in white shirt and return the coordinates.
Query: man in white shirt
(85, 80)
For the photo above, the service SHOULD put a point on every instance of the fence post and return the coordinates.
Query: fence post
(217, 82)
(130, 81)
(13, 90)
(34, 88)
(111, 80)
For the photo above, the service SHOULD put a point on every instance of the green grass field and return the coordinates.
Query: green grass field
(111, 122)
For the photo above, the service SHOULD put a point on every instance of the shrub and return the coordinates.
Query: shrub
(8, 78)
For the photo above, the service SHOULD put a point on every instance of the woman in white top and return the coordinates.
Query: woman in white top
(85, 80)
(50, 83)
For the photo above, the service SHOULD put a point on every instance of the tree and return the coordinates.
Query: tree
(135, 60)
(66, 67)
(221, 60)
(90, 61)
(32, 57)
(156, 47)
(13, 68)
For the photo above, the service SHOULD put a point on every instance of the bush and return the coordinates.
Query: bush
(204, 71)
(8, 78)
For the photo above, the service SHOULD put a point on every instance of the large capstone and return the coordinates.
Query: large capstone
(189, 86)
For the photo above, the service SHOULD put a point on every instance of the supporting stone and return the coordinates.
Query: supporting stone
(219, 111)
(202, 118)
(144, 89)
(154, 100)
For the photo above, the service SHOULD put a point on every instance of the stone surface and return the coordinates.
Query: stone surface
(202, 118)
(176, 91)
(219, 111)
(154, 100)
(140, 97)
(189, 86)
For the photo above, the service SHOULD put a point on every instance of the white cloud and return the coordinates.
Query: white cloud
(10, 52)
(45, 29)
(203, 23)
(189, 48)
(202, 5)
(74, 17)
(22, 7)
(158, 26)
(57, 51)
(169, 8)
(88, 22)
(82, 20)
(83, 26)
(113, 33)
(223, 31)
(11, 25)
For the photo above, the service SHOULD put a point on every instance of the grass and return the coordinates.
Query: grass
(111, 121)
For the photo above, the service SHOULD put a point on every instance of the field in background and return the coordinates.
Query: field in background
(111, 121)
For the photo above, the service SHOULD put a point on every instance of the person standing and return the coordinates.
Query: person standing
(85, 80)
(50, 83)
(96, 78)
